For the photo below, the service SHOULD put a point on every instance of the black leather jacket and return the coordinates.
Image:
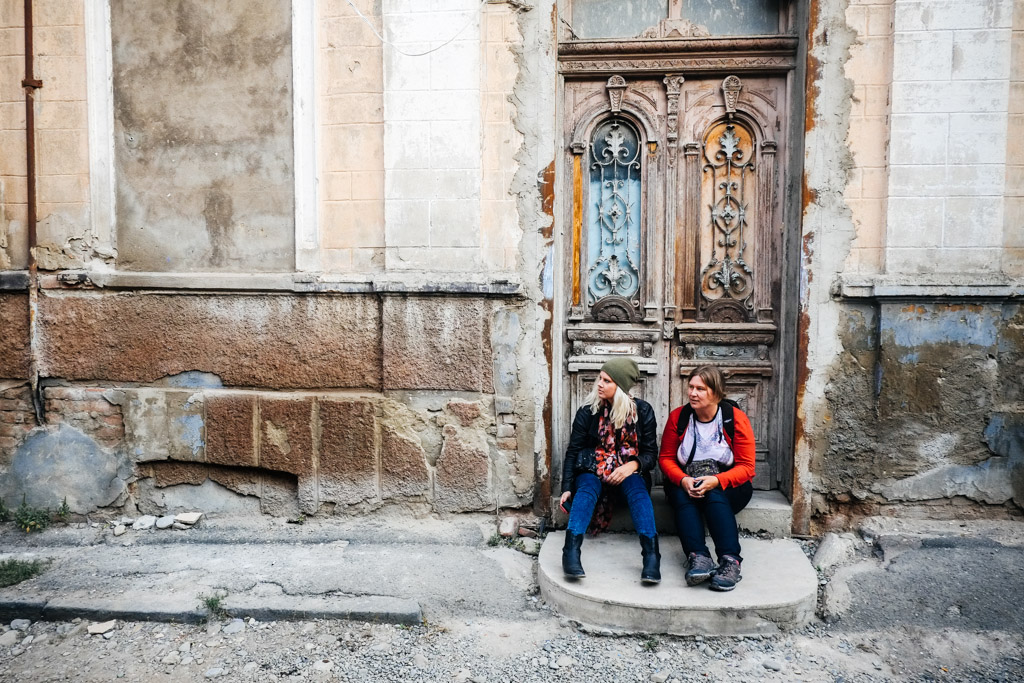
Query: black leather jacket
(584, 435)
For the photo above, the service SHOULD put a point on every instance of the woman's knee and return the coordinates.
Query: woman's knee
(677, 498)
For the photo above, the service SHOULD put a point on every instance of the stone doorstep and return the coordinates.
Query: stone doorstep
(767, 511)
(778, 591)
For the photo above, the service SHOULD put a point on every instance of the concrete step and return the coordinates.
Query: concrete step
(778, 590)
(767, 511)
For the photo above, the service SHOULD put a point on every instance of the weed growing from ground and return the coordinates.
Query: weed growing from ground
(29, 518)
(15, 571)
(650, 645)
(64, 510)
(5, 512)
(214, 605)
(498, 540)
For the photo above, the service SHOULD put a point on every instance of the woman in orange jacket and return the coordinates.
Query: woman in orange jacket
(707, 455)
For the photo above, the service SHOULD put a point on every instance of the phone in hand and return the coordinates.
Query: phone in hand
(566, 506)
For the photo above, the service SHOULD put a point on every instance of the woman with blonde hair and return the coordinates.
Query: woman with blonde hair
(612, 450)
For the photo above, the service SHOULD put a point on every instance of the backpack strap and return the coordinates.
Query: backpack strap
(728, 407)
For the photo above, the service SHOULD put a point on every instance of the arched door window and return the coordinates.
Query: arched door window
(614, 220)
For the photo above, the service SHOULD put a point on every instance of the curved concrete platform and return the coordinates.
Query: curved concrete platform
(778, 591)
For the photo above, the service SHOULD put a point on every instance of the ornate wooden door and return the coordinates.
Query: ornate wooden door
(672, 223)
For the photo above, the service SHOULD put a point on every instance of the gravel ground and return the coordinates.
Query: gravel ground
(537, 646)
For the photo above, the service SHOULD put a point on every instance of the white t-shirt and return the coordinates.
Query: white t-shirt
(711, 442)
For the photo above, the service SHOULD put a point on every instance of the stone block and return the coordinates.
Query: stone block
(51, 465)
(919, 139)
(923, 56)
(407, 144)
(467, 412)
(973, 222)
(407, 222)
(14, 357)
(915, 222)
(162, 425)
(280, 342)
(981, 54)
(286, 435)
(455, 222)
(229, 429)
(462, 475)
(403, 467)
(437, 343)
(348, 451)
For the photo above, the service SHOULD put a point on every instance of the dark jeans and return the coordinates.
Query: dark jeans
(718, 508)
(588, 488)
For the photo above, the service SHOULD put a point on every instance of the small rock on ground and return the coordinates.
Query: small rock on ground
(102, 628)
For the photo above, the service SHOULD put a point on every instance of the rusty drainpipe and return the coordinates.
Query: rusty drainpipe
(31, 84)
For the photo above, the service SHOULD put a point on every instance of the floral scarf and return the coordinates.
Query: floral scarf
(614, 448)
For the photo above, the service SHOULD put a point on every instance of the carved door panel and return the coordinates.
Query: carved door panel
(673, 240)
(728, 274)
(614, 258)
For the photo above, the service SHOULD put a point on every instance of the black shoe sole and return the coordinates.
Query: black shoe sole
(698, 581)
(575, 576)
(722, 589)
(649, 581)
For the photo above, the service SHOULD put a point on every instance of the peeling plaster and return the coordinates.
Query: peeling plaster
(828, 234)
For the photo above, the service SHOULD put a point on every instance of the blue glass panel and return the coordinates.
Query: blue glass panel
(613, 230)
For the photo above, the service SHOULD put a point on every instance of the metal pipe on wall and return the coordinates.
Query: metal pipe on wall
(31, 84)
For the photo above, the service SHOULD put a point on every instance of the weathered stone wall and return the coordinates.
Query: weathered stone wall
(908, 399)
(922, 413)
(178, 398)
(203, 135)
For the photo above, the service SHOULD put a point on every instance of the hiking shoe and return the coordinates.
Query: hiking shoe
(727, 575)
(701, 569)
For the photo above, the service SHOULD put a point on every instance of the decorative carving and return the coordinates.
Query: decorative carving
(616, 87)
(726, 311)
(673, 85)
(675, 28)
(728, 45)
(688, 64)
(731, 87)
(614, 225)
(727, 276)
(613, 309)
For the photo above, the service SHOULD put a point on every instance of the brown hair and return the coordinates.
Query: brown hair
(712, 377)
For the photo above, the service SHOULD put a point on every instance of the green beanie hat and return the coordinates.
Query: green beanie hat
(623, 371)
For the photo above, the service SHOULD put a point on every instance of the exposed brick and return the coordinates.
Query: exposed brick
(286, 435)
(403, 467)
(229, 429)
(462, 476)
(348, 468)
(508, 444)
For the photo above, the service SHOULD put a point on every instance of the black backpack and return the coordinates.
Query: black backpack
(728, 407)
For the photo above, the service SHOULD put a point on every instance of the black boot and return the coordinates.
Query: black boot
(652, 559)
(571, 556)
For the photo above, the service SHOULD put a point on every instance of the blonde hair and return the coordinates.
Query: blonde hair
(623, 405)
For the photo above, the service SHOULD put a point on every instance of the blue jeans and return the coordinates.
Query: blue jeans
(718, 508)
(588, 488)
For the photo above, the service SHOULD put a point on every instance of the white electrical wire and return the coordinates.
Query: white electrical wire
(416, 54)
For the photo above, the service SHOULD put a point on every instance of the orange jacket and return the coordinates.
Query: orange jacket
(742, 447)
